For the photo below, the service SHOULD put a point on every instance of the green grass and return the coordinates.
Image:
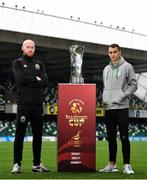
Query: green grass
(49, 152)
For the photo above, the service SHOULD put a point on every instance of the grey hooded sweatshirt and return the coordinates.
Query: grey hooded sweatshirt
(119, 83)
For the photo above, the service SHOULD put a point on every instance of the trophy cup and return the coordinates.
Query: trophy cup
(76, 54)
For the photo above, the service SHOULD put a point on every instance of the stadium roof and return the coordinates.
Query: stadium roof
(54, 35)
(21, 20)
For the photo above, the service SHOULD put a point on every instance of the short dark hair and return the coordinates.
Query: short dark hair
(115, 45)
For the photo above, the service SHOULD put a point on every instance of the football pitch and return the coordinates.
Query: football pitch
(49, 159)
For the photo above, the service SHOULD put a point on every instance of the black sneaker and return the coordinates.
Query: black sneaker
(40, 168)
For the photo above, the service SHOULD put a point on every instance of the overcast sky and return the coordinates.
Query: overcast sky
(130, 14)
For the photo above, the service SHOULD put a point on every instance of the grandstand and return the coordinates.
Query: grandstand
(137, 130)
(53, 48)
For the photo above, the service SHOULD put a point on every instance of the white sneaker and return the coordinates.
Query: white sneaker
(109, 168)
(128, 169)
(16, 169)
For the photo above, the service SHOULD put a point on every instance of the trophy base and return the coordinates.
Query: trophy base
(77, 80)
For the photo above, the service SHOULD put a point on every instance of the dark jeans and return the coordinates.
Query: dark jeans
(113, 119)
(25, 113)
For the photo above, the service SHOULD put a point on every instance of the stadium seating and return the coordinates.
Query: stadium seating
(50, 93)
(7, 127)
(136, 129)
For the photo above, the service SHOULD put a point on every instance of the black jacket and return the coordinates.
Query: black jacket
(29, 89)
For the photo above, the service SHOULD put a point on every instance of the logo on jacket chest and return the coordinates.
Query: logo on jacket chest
(37, 66)
(25, 66)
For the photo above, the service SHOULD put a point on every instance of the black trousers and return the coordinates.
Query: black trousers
(26, 113)
(118, 119)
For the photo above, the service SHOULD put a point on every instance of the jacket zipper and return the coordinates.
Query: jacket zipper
(110, 97)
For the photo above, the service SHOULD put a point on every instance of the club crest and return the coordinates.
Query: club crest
(37, 66)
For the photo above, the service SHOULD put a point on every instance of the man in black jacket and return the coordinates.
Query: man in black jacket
(30, 78)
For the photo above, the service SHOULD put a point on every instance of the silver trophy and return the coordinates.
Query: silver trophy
(76, 54)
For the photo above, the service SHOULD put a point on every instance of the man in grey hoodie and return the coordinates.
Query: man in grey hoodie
(119, 83)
